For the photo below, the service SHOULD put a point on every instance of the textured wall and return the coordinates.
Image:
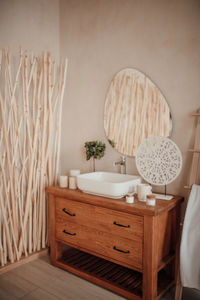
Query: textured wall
(34, 25)
(160, 38)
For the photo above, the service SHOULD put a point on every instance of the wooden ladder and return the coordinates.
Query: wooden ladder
(193, 177)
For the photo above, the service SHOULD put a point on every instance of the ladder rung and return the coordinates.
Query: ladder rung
(187, 187)
(196, 115)
(194, 150)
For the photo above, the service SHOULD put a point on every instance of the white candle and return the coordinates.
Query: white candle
(130, 198)
(151, 200)
(63, 181)
(72, 183)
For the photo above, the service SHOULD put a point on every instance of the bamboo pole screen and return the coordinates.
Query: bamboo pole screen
(31, 97)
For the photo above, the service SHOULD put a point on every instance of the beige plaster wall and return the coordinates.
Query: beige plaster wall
(32, 24)
(160, 38)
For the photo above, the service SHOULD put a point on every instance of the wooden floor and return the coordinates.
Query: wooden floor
(38, 280)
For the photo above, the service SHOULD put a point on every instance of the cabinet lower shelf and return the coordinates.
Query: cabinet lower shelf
(112, 276)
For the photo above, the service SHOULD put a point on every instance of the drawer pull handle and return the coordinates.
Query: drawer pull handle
(66, 232)
(115, 248)
(72, 215)
(126, 226)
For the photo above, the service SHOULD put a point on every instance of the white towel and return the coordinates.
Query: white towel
(190, 242)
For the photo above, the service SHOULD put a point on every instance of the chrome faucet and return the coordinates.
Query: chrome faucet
(122, 164)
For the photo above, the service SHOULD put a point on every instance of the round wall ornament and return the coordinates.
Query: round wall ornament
(158, 160)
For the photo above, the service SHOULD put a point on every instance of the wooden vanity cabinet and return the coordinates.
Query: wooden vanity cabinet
(130, 249)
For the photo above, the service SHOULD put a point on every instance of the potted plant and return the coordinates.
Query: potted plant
(94, 150)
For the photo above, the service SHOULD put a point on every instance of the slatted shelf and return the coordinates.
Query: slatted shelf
(119, 276)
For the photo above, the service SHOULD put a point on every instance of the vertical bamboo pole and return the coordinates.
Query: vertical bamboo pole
(4, 245)
(7, 232)
(63, 79)
(43, 127)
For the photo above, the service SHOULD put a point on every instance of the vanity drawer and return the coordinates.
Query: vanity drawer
(126, 252)
(103, 219)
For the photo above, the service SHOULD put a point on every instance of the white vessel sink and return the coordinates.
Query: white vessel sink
(106, 184)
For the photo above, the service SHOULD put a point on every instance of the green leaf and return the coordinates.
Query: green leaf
(95, 149)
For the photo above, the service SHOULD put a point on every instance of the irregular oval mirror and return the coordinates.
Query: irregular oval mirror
(135, 109)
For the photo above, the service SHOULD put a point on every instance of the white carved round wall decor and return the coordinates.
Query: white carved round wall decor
(158, 160)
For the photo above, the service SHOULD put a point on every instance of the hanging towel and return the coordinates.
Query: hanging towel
(190, 242)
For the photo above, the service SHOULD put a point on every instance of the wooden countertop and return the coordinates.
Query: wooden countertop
(138, 207)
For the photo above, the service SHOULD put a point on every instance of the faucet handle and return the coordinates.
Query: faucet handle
(123, 158)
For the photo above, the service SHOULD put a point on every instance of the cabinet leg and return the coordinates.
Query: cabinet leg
(150, 274)
(55, 247)
(55, 252)
(150, 285)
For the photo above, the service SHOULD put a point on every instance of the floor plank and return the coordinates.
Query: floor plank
(89, 290)
(6, 295)
(14, 286)
(39, 294)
